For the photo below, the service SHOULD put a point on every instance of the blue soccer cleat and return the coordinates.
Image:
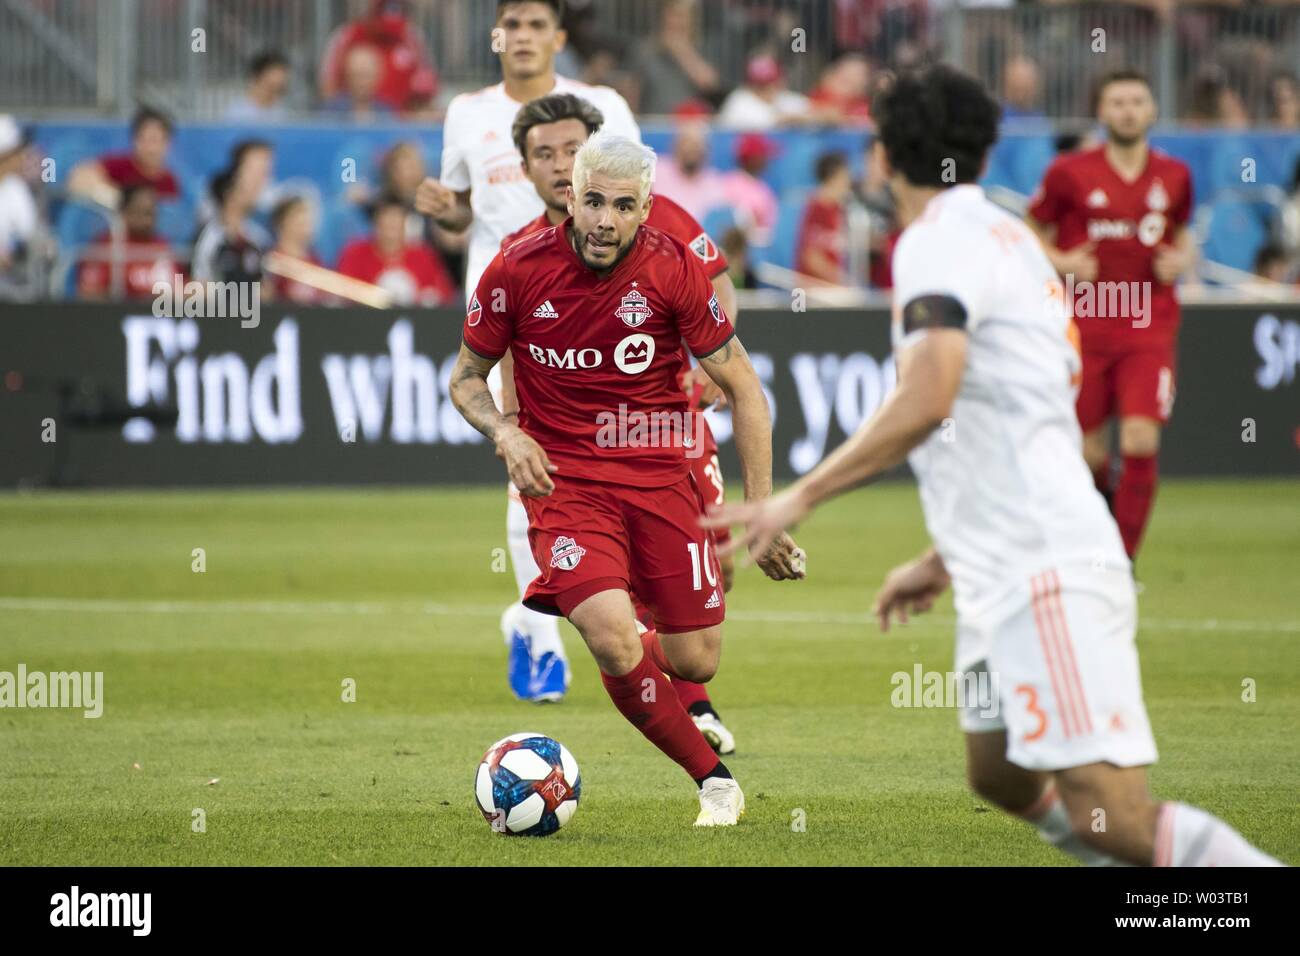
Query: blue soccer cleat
(519, 660)
(550, 678)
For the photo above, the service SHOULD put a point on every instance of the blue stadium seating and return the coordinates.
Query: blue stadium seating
(324, 153)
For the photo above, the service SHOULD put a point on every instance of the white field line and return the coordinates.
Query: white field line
(379, 608)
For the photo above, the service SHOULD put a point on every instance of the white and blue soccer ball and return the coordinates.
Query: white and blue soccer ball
(527, 785)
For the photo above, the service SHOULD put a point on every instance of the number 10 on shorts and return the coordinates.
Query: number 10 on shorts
(694, 549)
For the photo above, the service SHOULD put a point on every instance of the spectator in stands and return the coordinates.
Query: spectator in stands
(405, 78)
(687, 177)
(103, 179)
(873, 194)
(671, 67)
(764, 102)
(402, 171)
(252, 162)
(263, 99)
(1022, 90)
(841, 97)
(293, 223)
(19, 214)
(409, 270)
(1214, 102)
(1271, 263)
(822, 249)
(736, 248)
(229, 248)
(755, 202)
(361, 76)
(891, 31)
(144, 257)
(1284, 100)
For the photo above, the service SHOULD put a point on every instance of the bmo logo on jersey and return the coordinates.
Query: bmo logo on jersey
(1149, 231)
(634, 354)
(569, 358)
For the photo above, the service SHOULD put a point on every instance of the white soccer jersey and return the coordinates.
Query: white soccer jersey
(478, 154)
(1003, 484)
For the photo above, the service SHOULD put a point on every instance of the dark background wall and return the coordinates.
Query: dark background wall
(357, 396)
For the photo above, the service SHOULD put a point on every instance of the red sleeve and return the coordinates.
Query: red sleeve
(489, 321)
(1053, 195)
(671, 218)
(168, 187)
(116, 167)
(352, 261)
(331, 64)
(700, 319)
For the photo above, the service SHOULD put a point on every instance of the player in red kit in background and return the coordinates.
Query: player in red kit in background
(548, 133)
(595, 312)
(1113, 220)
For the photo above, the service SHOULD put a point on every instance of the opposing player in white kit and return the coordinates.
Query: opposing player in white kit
(984, 413)
(483, 189)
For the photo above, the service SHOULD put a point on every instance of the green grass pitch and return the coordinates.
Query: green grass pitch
(235, 676)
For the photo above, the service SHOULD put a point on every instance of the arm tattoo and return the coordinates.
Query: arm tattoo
(723, 354)
(471, 395)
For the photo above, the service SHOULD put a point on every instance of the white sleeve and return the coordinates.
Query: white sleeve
(937, 260)
(455, 166)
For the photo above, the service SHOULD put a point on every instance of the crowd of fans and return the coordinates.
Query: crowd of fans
(378, 67)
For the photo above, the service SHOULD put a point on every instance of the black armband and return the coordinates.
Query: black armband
(933, 312)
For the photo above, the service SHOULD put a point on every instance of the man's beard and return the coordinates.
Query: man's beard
(1120, 139)
(580, 242)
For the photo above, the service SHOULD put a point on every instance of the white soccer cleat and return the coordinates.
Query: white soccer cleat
(718, 736)
(721, 803)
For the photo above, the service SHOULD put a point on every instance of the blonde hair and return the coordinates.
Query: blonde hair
(617, 157)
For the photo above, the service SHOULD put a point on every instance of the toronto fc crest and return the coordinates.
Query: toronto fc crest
(565, 554)
(1157, 198)
(634, 309)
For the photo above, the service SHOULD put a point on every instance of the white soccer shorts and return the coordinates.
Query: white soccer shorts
(1062, 665)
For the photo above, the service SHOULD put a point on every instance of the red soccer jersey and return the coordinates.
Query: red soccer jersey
(122, 171)
(823, 228)
(666, 216)
(145, 261)
(415, 277)
(1087, 201)
(591, 351)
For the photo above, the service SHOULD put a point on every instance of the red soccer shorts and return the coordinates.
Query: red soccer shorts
(707, 472)
(590, 536)
(1126, 383)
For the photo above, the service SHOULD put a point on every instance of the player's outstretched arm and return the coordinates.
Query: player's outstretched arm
(448, 208)
(751, 423)
(526, 461)
(929, 377)
(731, 370)
(911, 588)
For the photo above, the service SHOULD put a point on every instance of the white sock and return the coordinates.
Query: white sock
(544, 629)
(1048, 815)
(1187, 836)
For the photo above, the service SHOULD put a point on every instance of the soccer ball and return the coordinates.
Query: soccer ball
(527, 785)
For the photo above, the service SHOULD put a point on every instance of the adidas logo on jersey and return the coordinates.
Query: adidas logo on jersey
(1097, 199)
(713, 601)
(546, 311)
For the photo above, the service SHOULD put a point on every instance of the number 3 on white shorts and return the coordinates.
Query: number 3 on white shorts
(694, 550)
